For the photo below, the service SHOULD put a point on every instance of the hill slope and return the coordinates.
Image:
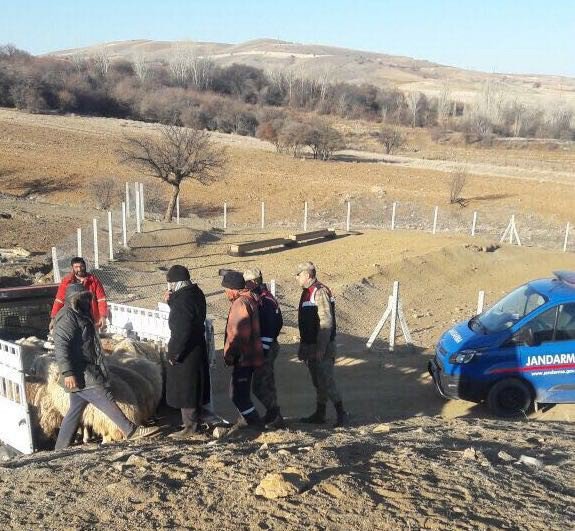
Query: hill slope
(353, 66)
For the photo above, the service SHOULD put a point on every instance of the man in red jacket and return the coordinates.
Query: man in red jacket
(91, 283)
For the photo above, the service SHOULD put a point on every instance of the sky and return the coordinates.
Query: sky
(512, 36)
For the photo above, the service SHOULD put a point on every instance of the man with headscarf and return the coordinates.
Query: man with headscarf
(83, 371)
(242, 346)
(188, 373)
(317, 328)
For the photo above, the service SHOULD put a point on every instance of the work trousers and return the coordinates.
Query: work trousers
(101, 399)
(264, 384)
(321, 372)
(240, 390)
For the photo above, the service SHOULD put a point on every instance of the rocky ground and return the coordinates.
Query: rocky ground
(427, 473)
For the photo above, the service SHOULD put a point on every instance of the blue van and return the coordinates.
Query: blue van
(517, 354)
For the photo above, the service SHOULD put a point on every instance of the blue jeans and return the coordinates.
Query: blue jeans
(100, 398)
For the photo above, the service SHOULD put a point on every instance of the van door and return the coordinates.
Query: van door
(546, 347)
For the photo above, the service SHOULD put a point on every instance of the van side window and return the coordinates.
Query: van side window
(565, 329)
(543, 326)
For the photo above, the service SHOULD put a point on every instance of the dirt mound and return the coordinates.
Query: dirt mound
(421, 473)
(164, 243)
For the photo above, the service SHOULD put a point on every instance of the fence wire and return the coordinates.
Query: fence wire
(124, 285)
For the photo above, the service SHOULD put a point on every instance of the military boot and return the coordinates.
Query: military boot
(316, 418)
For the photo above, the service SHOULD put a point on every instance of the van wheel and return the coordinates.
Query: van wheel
(509, 398)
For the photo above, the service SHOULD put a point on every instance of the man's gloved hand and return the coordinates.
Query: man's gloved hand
(229, 360)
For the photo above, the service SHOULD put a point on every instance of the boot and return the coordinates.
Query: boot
(254, 421)
(273, 419)
(316, 418)
(187, 432)
(342, 416)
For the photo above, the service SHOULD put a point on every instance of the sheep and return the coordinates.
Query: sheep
(136, 384)
(149, 370)
(141, 349)
(46, 418)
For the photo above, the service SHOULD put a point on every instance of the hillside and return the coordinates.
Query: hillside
(353, 66)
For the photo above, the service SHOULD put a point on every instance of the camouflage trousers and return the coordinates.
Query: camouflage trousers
(321, 372)
(264, 383)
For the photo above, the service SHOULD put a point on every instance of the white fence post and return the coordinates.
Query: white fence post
(305, 216)
(110, 237)
(474, 225)
(178, 208)
(566, 237)
(79, 238)
(138, 220)
(142, 201)
(55, 266)
(124, 228)
(127, 199)
(393, 215)
(435, 211)
(96, 256)
(263, 215)
(480, 302)
(273, 287)
(348, 220)
(395, 301)
(225, 215)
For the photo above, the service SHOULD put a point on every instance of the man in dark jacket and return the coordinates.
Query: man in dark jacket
(81, 365)
(317, 328)
(271, 322)
(242, 345)
(188, 373)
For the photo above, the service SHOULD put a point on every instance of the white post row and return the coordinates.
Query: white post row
(96, 256)
(55, 266)
(79, 238)
(305, 216)
(435, 212)
(273, 287)
(480, 302)
(348, 219)
(263, 215)
(474, 224)
(225, 215)
(124, 228)
(127, 199)
(393, 215)
(110, 237)
(138, 220)
(566, 238)
(178, 208)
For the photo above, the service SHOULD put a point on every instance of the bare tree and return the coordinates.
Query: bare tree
(141, 67)
(413, 100)
(456, 186)
(102, 61)
(391, 139)
(444, 105)
(178, 153)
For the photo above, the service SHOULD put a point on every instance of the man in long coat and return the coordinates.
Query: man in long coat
(187, 374)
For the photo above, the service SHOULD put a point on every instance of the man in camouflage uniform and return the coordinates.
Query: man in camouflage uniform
(317, 327)
(271, 322)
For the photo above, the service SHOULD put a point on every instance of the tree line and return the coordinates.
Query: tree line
(193, 91)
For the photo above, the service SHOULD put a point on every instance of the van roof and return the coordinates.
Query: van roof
(559, 288)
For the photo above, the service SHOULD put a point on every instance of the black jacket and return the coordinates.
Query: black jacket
(77, 346)
(188, 379)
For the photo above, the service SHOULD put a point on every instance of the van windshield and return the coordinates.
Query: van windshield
(508, 310)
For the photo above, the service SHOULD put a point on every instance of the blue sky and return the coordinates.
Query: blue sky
(524, 36)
